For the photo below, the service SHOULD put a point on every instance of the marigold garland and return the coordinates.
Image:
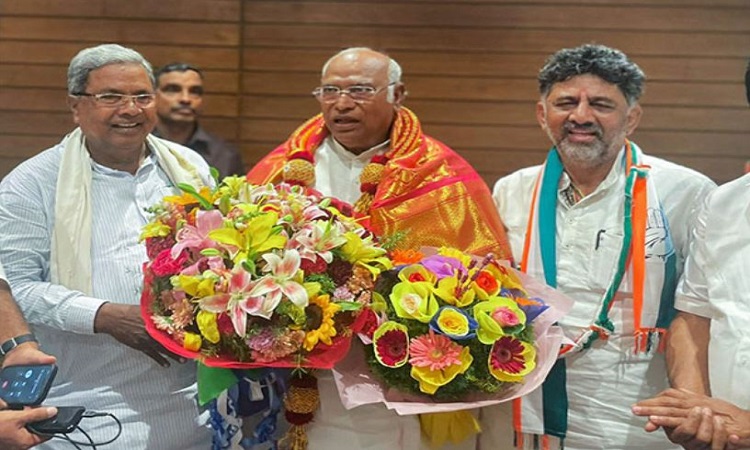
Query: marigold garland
(300, 165)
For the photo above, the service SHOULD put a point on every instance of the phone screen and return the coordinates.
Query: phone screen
(26, 385)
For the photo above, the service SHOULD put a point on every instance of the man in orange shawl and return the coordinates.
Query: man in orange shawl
(368, 150)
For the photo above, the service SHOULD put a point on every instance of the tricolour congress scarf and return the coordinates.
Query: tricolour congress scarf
(541, 418)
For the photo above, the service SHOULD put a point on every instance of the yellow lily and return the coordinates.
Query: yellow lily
(364, 253)
(257, 237)
(195, 286)
(154, 229)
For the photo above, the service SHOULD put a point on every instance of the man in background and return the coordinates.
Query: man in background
(71, 218)
(179, 103)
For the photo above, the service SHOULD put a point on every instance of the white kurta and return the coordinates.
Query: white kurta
(368, 427)
(716, 285)
(604, 381)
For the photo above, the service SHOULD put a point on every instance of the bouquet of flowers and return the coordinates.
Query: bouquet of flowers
(455, 326)
(248, 276)
(245, 276)
(454, 332)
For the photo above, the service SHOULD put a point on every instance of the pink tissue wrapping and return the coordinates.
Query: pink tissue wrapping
(357, 386)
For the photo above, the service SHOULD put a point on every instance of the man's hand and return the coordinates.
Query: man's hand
(13, 432)
(124, 323)
(27, 353)
(696, 421)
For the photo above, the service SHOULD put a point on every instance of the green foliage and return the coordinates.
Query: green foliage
(204, 202)
(327, 286)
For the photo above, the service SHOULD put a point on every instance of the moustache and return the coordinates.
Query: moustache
(582, 128)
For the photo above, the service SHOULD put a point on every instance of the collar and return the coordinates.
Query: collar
(365, 156)
(146, 163)
(565, 188)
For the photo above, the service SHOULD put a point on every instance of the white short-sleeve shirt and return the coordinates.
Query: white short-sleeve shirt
(716, 285)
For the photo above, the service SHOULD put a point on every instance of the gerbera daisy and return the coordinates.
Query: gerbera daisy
(434, 351)
(391, 343)
(436, 361)
(511, 359)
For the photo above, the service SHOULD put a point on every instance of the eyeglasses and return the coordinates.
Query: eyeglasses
(112, 100)
(330, 94)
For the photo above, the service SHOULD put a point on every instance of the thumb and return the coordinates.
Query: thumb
(37, 414)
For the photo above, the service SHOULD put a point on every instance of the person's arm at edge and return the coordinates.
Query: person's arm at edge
(12, 324)
(26, 205)
(687, 353)
(689, 333)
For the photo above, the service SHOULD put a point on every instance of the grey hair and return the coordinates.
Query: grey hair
(92, 58)
(394, 69)
(609, 64)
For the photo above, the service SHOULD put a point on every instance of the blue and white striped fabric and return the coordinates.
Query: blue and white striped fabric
(156, 405)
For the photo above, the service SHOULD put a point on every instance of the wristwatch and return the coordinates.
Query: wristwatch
(14, 342)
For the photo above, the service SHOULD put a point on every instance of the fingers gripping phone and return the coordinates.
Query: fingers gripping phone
(64, 422)
(26, 385)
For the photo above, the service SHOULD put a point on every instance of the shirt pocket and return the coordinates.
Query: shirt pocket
(604, 259)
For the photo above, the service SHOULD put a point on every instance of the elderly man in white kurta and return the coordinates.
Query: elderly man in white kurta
(71, 218)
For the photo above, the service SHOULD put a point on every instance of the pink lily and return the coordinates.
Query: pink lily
(237, 303)
(196, 237)
(214, 263)
(319, 238)
(279, 282)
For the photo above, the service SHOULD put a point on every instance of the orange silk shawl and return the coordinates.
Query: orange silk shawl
(428, 191)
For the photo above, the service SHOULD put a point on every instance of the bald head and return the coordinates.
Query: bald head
(361, 123)
(367, 57)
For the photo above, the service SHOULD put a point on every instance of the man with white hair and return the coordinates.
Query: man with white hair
(71, 219)
(367, 150)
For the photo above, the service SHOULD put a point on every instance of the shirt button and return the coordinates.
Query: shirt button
(743, 361)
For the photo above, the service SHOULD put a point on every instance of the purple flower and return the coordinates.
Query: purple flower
(443, 266)
(532, 307)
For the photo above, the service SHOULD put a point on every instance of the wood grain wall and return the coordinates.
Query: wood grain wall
(469, 66)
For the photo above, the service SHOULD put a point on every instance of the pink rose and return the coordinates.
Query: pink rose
(505, 317)
(164, 266)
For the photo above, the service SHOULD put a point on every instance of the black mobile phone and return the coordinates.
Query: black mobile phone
(65, 421)
(26, 385)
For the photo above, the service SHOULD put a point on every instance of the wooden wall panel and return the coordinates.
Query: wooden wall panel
(469, 67)
(39, 37)
(470, 70)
